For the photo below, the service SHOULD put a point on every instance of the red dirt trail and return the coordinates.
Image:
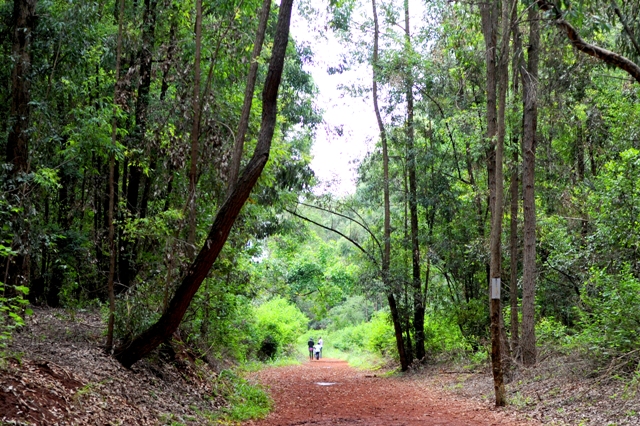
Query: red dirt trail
(361, 398)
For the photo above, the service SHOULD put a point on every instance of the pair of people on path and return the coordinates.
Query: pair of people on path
(315, 349)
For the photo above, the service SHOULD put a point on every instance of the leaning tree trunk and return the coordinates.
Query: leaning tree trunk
(386, 255)
(151, 338)
(530, 86)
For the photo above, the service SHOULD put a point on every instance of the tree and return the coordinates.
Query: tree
(386, 254)
(607, 56)
(248, 95)
(530, 119)
(17, 154)
(112, 189)
(418, 296)
(144, 343)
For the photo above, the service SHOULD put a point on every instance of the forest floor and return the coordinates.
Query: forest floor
(59, 374)
(328, 392)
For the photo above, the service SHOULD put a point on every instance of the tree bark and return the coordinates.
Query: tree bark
(17, 154)
(112, 162)
(418, 294)
(495, 135)
(24, 16)
(248, 96)
(513, 276)
(604, 55)
(530, 87)
(195, 133)
(386, 254)
(150, 339)
(127, 262)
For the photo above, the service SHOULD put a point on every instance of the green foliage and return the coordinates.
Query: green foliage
(278, 325)
(473, 319)
(246, 401)
(13, 305)
(353, 311)
(609, 315)
(12, 311)
(375, 336)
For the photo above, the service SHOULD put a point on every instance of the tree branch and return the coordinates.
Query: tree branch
(604, 55)
(363, 226)
(632, 37)
(352, 241)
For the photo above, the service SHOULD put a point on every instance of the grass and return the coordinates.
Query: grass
(278, 362)
(246, 400)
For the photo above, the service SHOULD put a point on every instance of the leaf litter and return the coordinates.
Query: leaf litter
(60, 375)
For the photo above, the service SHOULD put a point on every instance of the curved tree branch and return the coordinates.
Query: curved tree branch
(604, 55)
(351, 240)
(362, 225)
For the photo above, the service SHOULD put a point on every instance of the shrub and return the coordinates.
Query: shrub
(278, 325)
(381, 337)
(609, 318)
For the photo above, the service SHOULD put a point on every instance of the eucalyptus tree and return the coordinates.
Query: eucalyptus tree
(151, 338)
(17, 149)
(530, 118)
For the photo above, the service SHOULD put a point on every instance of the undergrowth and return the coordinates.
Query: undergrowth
(245, 400)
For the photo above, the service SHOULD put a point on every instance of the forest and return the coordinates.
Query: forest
(157, 172)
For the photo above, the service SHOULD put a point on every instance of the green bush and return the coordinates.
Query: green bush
(375, 336)
(12, 305)
(609, 317)
(11, 311)
(351, 338)
(381, 337)
(442, 334)
(278, 325)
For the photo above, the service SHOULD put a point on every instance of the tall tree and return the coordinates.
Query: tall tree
(530, 124)
(496, 79)
(386, 254)
(17, 154)
(195, 133)
(133, 176)
(418, 295)
(112, 162)
(144, 343)
(243, 125)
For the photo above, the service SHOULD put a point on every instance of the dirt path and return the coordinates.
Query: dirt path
(329, 392)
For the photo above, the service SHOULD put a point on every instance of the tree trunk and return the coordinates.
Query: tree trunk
(513, 278)
(248, 95)
(128, 255)
(386, 255)
(530, 87)
(495, 125)
(195, 134)
(150, 339)
(24, 15)
(112, 162)
(418, 296)
(17, 154)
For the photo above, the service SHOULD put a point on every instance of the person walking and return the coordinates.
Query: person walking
(316, 351)
(320, 343)
(311, 344)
